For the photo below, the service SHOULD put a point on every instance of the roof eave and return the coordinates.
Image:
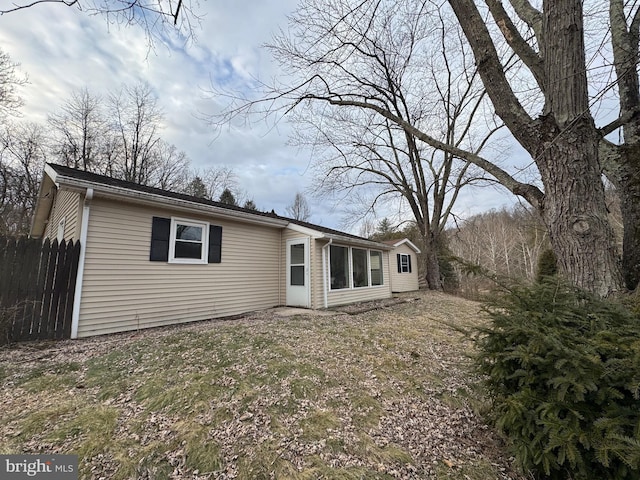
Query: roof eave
(152, 199)
(320, 235)
(355, 241)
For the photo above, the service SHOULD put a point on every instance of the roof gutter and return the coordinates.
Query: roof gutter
(355, 241)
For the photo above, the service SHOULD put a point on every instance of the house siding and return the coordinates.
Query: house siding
(123, 290)
(404, 282)
(67, 206)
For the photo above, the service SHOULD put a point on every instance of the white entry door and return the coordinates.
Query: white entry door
(298, 289)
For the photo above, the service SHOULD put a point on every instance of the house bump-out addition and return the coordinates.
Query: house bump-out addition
(404, 277)
(151, 257)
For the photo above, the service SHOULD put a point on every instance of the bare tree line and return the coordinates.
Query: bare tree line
(117, 135)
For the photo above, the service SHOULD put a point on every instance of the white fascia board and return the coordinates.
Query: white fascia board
(305, 230)
(44, 203)
(51, 173)
(408, 242)
(357, 242)
(152, 199)
(317, 234)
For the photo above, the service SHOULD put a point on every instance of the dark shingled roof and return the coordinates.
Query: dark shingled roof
(114, 182)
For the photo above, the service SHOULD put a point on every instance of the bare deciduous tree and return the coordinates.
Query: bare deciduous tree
(22, 157)
(136, 119)
(299, 209)
(506, 242)
(118, 137)
(559, 131)
(10, 100)
(563, 139)
(169, 168)
(373, 74)
(79, 130)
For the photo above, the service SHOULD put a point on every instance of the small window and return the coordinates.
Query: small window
(297, 261)
(188, 241)
(375, 265)
(360, 269)
(404, 263)
(339, 260)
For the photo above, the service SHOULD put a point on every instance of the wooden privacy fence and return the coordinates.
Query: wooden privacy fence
(37, 286)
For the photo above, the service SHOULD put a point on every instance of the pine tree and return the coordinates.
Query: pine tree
(228, 198)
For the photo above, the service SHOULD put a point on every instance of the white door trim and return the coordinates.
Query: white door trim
(298, 295)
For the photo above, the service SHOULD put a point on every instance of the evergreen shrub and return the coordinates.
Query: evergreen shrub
(562, 368)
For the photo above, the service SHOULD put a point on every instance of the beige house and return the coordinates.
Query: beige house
(403, 265)
(150, 257)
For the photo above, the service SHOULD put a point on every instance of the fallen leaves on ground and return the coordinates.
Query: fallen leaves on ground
(376, 390)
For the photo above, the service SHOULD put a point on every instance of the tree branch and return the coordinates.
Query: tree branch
(530, 192)
(530, 15)
(68, 3)
(519, 45)
(505, 102)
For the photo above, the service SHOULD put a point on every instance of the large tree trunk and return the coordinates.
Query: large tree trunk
(432, 265)
(563, 142)
(630, 206)
(574, 207)
(623, 170)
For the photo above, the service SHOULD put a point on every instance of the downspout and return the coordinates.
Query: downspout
(75, 319)
(325, 276)
(280, 276)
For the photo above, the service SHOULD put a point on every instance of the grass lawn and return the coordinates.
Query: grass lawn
(383, 394)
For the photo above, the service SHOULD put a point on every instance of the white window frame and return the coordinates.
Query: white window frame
(366, 266)
(175, 221)
(404, 265)
(369, 252)
(351, 282)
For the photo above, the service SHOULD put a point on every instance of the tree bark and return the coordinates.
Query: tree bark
(563, 142)
(574, 209)
(622, 167)
(629, 194)
(431, 263)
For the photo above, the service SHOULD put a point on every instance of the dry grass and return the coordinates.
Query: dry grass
(384, 393)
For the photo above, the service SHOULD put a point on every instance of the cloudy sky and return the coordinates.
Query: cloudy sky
(62, 49)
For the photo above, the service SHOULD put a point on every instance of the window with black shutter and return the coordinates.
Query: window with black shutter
(160, 231)
(178, 240)
(404, 263)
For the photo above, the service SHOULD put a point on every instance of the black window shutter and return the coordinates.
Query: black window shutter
(215, 244)
(409, 261)
(160, 229)
(399, 262)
